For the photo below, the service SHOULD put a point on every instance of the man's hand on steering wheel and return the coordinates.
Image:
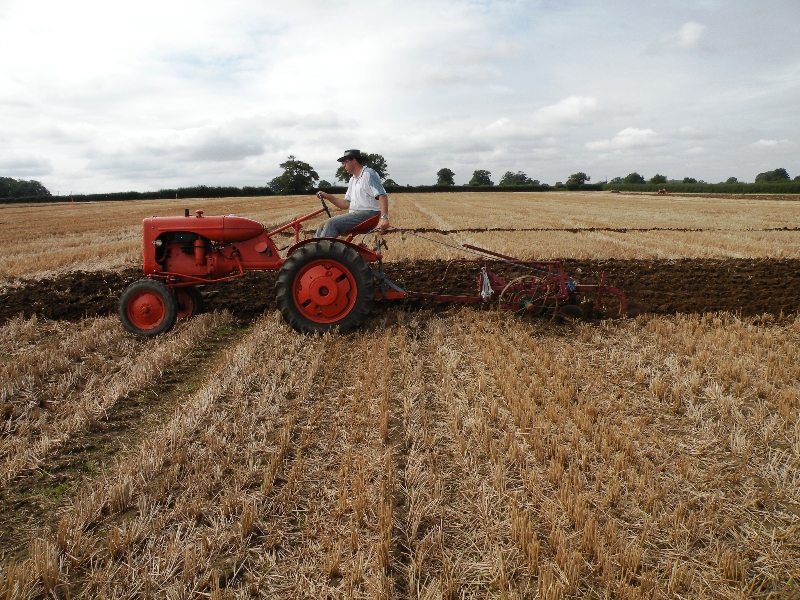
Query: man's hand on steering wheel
(321, 196)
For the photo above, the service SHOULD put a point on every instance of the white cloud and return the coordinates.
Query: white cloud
(628, 138)
(762, 143)
(500, 124)
(24, 165)
(229, 142)
(221, 93)
(696, 133)
(432, 76)
(688, 37)
(325, 120)
(12, 93)
(696, 150)
(488, 51)
(572, 110)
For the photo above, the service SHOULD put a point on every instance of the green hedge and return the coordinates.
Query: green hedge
(202, 191)
(788, 187)
(425, 189)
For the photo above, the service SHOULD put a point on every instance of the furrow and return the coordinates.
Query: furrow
(100, 394)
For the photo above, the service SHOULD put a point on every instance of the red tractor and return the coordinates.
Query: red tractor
(323, 283)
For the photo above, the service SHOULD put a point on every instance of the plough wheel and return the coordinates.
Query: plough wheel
(190, 302)
(147, 307)
(325, 285)
(528, 296)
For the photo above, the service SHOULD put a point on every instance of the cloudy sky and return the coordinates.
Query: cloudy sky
(112, 96)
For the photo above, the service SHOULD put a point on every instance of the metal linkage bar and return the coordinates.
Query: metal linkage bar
(295, 224)
(485, 254)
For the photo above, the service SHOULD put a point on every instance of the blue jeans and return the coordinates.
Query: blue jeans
(336, 226)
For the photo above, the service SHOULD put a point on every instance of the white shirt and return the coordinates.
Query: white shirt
(363, 191)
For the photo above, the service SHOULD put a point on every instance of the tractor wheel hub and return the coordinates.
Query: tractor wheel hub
(145, 310)
(323, 291)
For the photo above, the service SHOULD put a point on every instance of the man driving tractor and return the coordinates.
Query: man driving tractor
(365, 198)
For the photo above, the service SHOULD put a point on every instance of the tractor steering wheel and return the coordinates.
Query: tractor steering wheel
(324, 206)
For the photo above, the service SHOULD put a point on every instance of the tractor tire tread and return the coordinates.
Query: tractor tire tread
(365, 284)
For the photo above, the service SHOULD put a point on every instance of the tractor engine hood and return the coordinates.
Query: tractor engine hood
(221, 229)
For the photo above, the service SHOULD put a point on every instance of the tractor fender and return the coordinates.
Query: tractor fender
(367, 254)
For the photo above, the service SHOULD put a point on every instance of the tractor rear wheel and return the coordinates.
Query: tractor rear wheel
(148, 308)
(325, 285)
(190, 302)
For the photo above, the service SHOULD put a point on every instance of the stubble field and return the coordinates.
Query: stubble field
(439, 452)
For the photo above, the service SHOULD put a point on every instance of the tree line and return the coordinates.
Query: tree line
(776, 176)
(19, 188)
(299, 177)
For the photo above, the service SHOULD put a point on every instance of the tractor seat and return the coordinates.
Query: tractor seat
(365, 226)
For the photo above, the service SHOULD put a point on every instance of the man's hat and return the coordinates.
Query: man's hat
(350, 154)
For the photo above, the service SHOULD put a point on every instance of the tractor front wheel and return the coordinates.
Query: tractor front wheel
(148, 308)
(325, 285)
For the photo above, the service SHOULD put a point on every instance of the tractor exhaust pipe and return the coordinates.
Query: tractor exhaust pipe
(199, 251)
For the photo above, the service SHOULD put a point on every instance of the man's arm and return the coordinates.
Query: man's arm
(384, 202)
(344, 205)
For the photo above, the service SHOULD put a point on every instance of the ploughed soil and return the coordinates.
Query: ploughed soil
(747, 286)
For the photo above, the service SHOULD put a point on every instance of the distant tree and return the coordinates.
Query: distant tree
(518, 178)
(390, 182)
(13, 188)
(560, 184)
(445, 177)
(378, 163)
(657, 179)
(689, 180)
(633, 178)
(375, 162)
(6, 184)
(324, 184)
(298, 177)
(617, 181)
(481, 178)
(776, 175)
(797, 178)
(731, 180)
(578, 179)
(33, 188)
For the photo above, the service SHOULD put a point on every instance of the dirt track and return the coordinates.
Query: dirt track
(747, 286)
